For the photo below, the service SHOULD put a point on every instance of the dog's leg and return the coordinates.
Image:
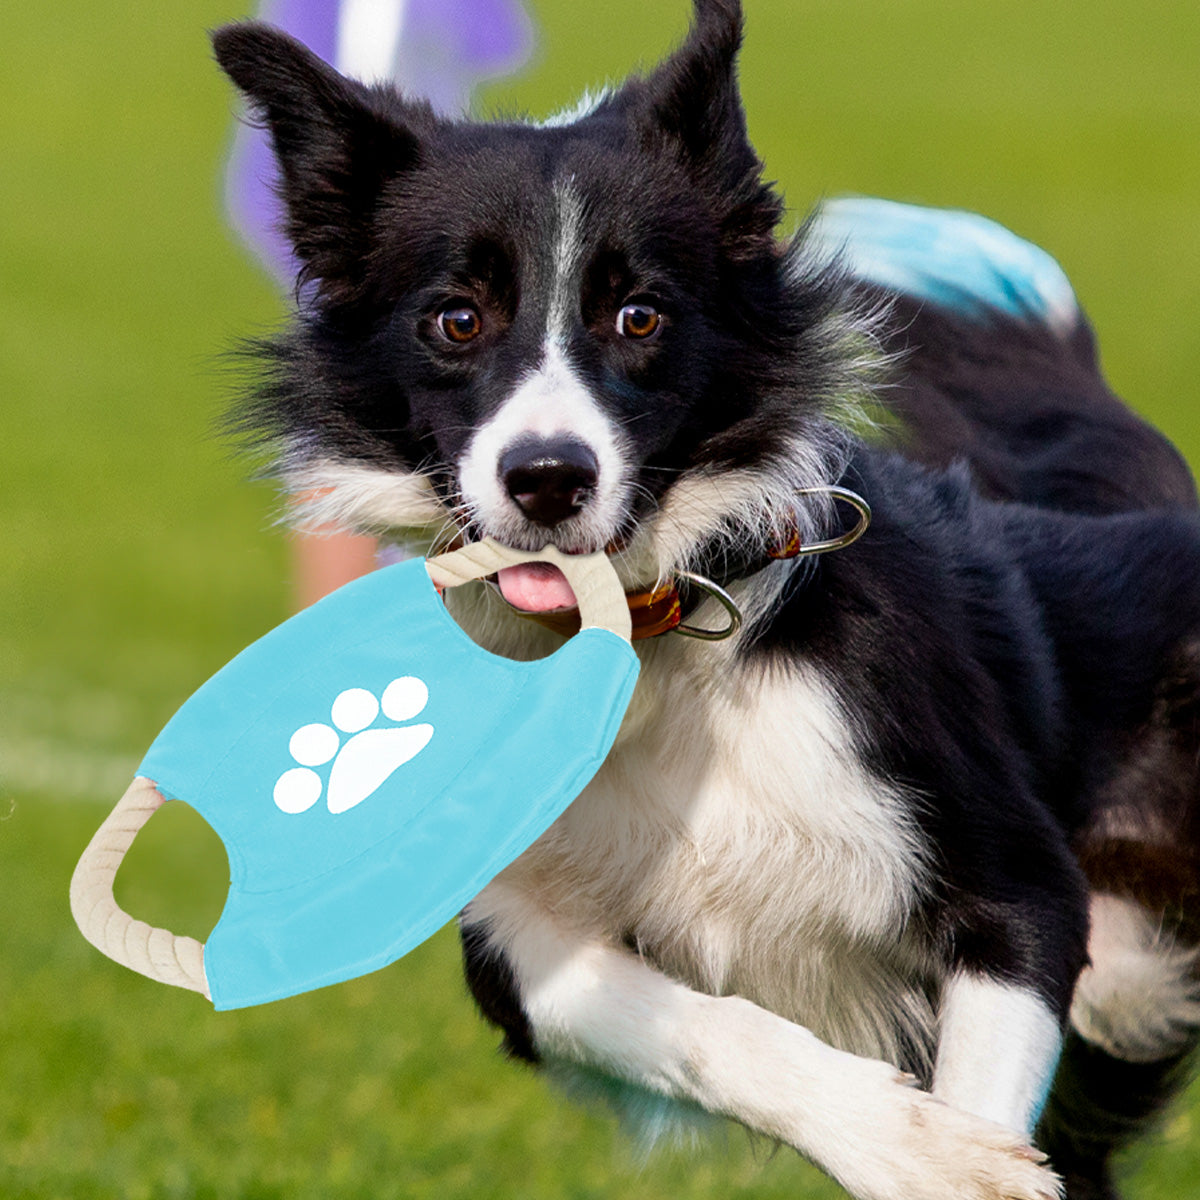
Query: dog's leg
(592, 1002)
(997, 1049)
(1135, 1013)
(1136, 1018)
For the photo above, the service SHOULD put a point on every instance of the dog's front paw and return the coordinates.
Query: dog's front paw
(974, 1159)
(953, 1155)
(926, 1150)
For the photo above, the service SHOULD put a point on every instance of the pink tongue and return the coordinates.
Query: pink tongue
(535, 587)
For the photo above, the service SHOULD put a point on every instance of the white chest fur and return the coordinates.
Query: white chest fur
(734, 838)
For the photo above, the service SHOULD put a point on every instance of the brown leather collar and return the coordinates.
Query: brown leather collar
(653, 612)
(661, 610)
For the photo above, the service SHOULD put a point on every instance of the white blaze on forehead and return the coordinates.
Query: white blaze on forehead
(550, 402)
(566, 263)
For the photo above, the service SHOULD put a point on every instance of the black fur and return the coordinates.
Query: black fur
(491, 981)
(1030, 410)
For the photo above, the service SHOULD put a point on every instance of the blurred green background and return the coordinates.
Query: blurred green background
(137, 559)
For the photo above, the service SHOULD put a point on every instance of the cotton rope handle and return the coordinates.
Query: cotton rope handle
(158, 953)
(170, 958)
(599, 595)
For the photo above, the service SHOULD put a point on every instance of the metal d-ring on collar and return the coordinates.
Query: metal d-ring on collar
(727, 602)
(722, 597)
(848, 538)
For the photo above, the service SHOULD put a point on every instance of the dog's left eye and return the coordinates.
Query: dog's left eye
(459, 324)
(639, 321)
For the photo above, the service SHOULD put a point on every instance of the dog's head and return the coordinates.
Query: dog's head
(582, 331)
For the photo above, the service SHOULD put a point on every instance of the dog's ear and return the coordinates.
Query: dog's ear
(691, 101)
(338, 143)
(693, 94)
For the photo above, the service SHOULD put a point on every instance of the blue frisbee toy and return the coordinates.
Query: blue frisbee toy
(369, 769)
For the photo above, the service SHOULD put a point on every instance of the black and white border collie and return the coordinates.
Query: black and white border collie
(903, 874)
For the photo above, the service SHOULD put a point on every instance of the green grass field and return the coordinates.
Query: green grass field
(137, 560)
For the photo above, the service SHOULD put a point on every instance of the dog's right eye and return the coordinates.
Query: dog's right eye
(459, 324)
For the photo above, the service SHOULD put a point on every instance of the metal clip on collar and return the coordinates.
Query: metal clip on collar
(794, 550)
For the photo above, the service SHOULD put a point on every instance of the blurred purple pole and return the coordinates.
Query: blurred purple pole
(437, 49)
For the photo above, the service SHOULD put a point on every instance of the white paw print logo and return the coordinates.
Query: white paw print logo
(367, 760)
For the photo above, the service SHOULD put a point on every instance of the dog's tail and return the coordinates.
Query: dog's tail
(997, 362)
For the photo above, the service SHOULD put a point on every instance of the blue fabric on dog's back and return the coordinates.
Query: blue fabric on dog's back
(957, 259)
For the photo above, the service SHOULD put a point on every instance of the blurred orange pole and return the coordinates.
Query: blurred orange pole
(325, 561)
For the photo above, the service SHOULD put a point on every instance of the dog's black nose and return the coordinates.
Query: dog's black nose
(550, 479)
